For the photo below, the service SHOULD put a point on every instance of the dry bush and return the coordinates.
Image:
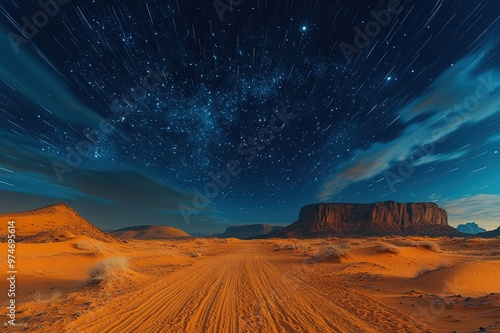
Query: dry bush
(196, 254)
(38, 296)
(95, 247)
(298, 247)
(331, 252)
(108, 269)
(494, 253)
(343, 246)
(443, 264)
(475, 240)
(433, 246)
(389, 248)
(427, 269)
(278, 247)
(405, 243)
(423, 270)
(326, 240)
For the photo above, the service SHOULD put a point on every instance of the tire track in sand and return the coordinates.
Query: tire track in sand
(245, 289)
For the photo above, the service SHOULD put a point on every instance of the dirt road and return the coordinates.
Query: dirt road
(243, 288)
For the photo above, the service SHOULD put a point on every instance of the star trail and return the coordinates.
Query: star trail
(141, 112)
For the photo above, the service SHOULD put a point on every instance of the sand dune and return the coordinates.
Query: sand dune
(149, 232)
(471, 278)
(42, 225)
(55, 235)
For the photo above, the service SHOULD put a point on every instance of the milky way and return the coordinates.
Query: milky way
(126, 110)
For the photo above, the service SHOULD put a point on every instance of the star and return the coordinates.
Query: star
(187, 95)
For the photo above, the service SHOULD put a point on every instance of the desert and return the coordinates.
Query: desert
(242, 166)
(72, 282)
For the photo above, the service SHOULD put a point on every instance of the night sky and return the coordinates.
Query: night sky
(126, 110)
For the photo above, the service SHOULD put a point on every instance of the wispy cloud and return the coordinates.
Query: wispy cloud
(459, 84)
(42, 85)
(482, 209)
(494, 138)
(439, 157)
(132, 195)
(30, 172)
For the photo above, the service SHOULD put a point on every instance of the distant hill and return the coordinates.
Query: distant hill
(490, 234)
(149, 232)
(52, 223)
(381, 218)
(470, 228)
(248, 231)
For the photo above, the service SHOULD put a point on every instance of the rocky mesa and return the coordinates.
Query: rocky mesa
(380, 218)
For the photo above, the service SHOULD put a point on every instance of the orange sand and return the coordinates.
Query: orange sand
(212, 285)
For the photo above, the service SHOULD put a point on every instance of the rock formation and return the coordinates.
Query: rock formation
(490, 234)
(381, 218)
(470, 228)
(248, 231)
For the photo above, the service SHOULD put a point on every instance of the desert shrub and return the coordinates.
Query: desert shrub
(297, 247)
(389, 248)
(443, 264)
(278, 247)
(91, 246)
(427, 268)
(423, 270)
(38, 296)
(494, 253)
(109, 269)
(405, 243)
(331, 252)
(433, 246)
(196, 254)
(475, 240)
(343, 246)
